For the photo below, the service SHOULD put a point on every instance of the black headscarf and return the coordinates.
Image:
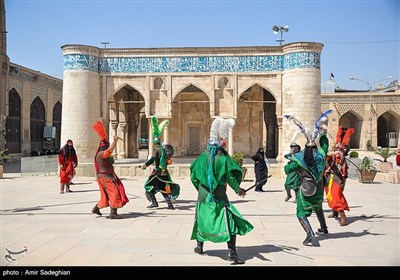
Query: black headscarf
(68, 150)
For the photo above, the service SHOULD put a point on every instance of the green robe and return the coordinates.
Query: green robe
(307, 204)
(216, 219)
(160, 180)
(292, 180)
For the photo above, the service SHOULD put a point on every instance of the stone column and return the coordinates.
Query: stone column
(122, 153)
(81, 99)
(230, 142)
(166, 134)
(151, 144)
(280, 157)
(301, 87)
(114, 125)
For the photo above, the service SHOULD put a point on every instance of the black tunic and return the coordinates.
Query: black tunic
(260, 166)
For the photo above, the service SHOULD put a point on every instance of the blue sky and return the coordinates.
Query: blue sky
(361, 38)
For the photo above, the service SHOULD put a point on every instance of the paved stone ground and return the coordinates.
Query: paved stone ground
(59, 230)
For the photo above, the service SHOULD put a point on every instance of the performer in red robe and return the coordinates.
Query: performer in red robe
(112, 191)
(336, 172)
(67, 162)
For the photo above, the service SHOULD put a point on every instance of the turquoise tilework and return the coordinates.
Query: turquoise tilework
(190, 64)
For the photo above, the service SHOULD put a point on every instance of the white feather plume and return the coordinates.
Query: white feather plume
(214, 131)
(226, 124)
(301, 129)
(295, 136)
(220, 130)
(320, 124)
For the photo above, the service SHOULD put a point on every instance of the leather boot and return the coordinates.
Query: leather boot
(233, 255)
(334, 214)
(67, 189)
(199, 248)
(168, 200)
(114, 215)
(307, 228)
(288, 195)
(153, 200)
(96, 210)
(322, 222)
(343, 220)
(147, 196)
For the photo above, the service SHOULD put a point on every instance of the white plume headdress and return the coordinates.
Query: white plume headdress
(220, 130)
(301, 129)
(310, 136)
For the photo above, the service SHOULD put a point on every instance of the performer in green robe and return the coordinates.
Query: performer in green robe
(310, 165)
(292, 181)
(160, 179)
(216, 219)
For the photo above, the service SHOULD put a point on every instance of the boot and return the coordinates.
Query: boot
(322, 222)
(168, 200)
(114, 215)
(96, 210)
(307, 227)
(334, 214)
(62, 188)
(259, 189)
(233, 255)
(147, 196)
(343, 220)
(153, 200)
(288, 195)
(199, 248)
(67, 189)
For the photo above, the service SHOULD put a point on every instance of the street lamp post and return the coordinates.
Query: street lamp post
(370, 100)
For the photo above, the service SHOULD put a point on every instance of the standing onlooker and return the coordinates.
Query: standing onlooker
(292, 181)
(112, 191)
(260, 168)
(398, 157)
(336, 172)
(216, 219)
(67, 162)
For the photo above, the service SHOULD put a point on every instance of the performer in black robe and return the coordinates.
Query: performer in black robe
(260, 168)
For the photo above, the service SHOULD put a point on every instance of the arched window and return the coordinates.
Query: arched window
(37, 123)
(57, 123)
(13, 123)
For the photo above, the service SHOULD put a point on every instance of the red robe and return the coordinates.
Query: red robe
(68, 164)
(338, 168)
(112, 191)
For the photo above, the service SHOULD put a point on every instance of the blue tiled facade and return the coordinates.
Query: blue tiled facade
(192, 64)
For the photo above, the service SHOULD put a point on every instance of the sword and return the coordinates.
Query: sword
(259, 183)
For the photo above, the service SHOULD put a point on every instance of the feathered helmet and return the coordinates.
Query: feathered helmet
(219, 132)
(319, 127)
(343, 135)
(101, 131)
(158, 129)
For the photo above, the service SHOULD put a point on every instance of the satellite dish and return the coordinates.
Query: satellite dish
(275, 28)
(286, 28)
